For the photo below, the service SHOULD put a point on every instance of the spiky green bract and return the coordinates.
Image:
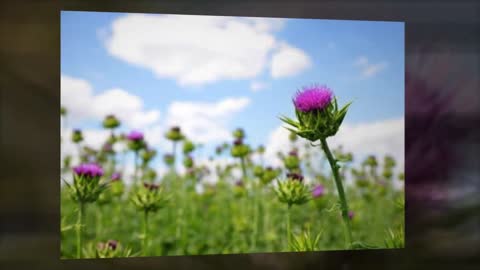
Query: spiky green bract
(85, 189)
(292, 192)
(305, 241)
(317, 124)
(150, 198)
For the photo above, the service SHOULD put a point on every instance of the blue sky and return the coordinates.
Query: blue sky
(359, 60)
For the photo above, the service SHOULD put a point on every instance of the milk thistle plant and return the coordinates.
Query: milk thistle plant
(175, 135)
(86, 188)
(290, 192)
(148, 199)
(135, 143)
(318, 117)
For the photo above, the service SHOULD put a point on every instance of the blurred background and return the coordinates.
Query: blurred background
(441, 138)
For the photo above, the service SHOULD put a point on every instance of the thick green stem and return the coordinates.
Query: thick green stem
(135, 176)
(255, 217)
(81, 212)
(244, 169)
(341, 192)
(289, 241)
(145, 233)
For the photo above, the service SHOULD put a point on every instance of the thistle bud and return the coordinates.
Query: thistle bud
(188, 147)
(188, 162)
(269, 174)
(77, 136)
(148, 154)
(239, 133)
(111, 122)
(174, 134)
(169, 159)
(150, 198)
(258, 171)
(292, 192)
(239, 149)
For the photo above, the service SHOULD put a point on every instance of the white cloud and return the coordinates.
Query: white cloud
(289, 61)
(368, 69)
(205, 121)
(378, 138)
(78, 97)
(256, 86)
(194, 50)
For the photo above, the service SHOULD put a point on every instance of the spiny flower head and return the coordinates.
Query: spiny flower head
(135, 136)
(89, 170)
(317, 113)
(315, 97)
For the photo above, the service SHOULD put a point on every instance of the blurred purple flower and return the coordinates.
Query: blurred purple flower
(116, 176)
(90, 170)
(351, 214)
(135, 136)
(318, 191)
(315, 97)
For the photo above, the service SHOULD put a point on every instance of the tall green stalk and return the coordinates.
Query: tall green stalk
(341, 192)
(289, 240)
(145, 233)
(80, 217)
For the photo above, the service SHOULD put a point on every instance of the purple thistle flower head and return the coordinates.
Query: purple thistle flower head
(293, 153)
(90, 170)
(116, 176)
(239, 183)
(135, 136)
(351, 214)
(295, 176)
(238, 142)
(151, 187)
(315, 97)
(318, 191)
(112, 244)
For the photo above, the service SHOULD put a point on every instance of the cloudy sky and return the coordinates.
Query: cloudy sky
(211, 74)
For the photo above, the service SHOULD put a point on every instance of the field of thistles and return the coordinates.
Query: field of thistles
(317, 200)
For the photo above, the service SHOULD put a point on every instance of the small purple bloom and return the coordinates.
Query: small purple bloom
(116, 176)
(135, 136)
(239, 183)
(89, 170)
(318, 191)
(351, 214)
(112, 244)
(293, 153)
(311, 98)
(238, 142)
(295, 176)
